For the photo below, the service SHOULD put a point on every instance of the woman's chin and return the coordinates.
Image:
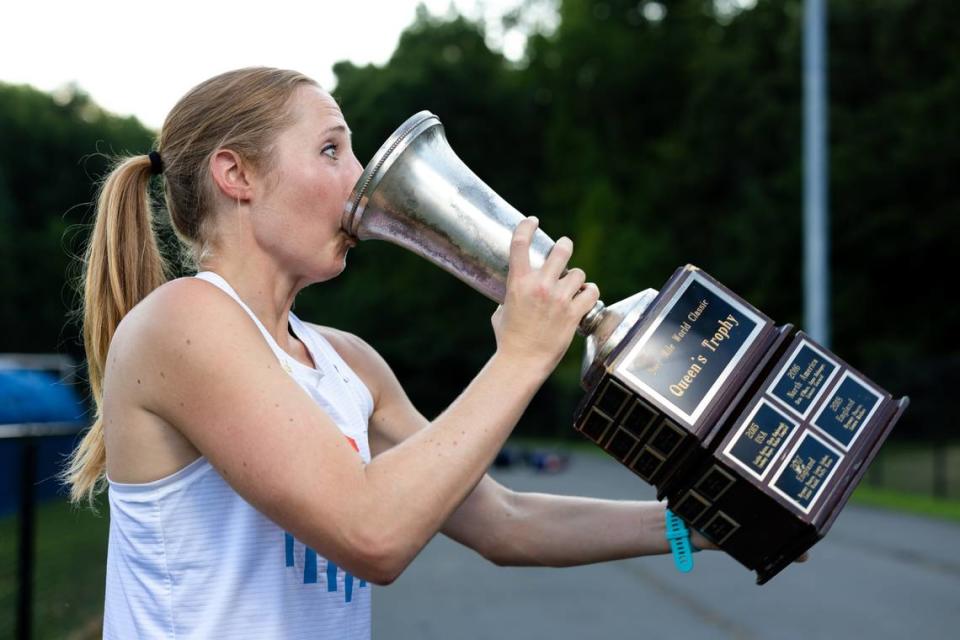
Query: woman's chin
(331, 271)
(336, 260)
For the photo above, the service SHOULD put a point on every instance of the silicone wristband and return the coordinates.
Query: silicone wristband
(679, 537)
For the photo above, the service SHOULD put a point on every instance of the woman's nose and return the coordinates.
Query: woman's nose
(357, 169)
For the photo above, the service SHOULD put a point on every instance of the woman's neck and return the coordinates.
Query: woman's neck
(263, 287)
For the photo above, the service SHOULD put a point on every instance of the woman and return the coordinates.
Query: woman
(262, 470)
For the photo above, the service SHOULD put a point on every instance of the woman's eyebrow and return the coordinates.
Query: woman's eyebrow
(338, 127)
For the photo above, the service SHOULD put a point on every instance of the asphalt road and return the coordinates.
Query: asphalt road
(876, 575)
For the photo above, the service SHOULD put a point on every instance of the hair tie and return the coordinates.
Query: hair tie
(156, 163)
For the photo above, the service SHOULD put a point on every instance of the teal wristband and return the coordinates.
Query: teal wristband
(679, 537)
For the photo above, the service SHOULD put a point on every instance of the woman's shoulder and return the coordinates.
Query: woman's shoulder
(168, 358)
(180, 311)
(182, 300)
(181, 337)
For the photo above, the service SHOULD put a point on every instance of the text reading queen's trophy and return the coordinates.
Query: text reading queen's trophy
(754, 433)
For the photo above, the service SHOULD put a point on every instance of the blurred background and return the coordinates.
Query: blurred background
(652, 133)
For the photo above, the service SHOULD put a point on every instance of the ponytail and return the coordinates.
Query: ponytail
(121, 266)
(243, 110)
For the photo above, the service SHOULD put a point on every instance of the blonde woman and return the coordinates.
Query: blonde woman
(263, 471)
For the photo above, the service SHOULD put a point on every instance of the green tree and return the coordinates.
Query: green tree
(653, 134)
(53, 149)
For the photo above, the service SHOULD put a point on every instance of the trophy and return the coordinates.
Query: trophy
(755, 434)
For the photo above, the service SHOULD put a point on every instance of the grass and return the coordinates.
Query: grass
(914, 467)
(907, 502)
(69, 572)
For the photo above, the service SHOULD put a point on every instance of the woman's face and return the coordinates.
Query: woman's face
(297, 205)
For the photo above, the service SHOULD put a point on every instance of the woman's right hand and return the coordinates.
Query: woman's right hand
(542, 307)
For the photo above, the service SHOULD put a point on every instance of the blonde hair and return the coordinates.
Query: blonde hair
(242, 110)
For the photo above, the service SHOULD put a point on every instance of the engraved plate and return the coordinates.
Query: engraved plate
(647, 463)
(595, 425)
(611, 399)
(803, 377)
(759, 438)
(720, 527)
(621, 444)
(639, 419)
(714, 483)
(689, 350)
(851, 405)
(666, 438)
(691, 507)
(806, 471)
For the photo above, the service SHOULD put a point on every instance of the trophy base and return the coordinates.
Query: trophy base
(775, 440)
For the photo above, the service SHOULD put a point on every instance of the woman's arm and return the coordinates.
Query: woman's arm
(189, 355)
(536, 529)
(507, 527)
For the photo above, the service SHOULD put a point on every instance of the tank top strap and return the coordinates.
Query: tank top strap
(317, 344)
(315, 340)
(218, 281)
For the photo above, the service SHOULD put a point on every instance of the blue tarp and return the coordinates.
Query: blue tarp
(35, 396)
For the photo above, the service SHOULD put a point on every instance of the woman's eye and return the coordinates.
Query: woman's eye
(330, 150)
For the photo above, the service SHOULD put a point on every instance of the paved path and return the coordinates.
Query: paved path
(875, 575)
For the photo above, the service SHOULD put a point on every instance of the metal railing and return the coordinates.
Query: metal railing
(928, 468)
(28, 434)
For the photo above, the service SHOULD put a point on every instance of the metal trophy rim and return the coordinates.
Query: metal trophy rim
(392, 148)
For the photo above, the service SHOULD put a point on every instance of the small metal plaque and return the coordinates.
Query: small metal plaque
(647, 463)
(691, 507)
(595, 425)
(639, 419)
(714, 483)
(850, 406)
(621, 444)
(759, 439)
(689, 350)
(612, 399)
(666, 438)
(720, 527)
(806, 471)
(804, 375)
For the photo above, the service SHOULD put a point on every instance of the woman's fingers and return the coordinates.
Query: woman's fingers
(542, 306)
(520, 248)
(572, 281)
(586, 298)
(557, 259)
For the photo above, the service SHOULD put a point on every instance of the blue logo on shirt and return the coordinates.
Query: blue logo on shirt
(310, 570)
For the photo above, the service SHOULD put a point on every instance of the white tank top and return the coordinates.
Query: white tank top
(189, 558)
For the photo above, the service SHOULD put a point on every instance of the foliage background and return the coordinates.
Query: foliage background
(652, 137)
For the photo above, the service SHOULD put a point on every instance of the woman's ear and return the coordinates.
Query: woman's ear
(231, 175)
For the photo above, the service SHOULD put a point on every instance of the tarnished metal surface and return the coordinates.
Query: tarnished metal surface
(615, 322)
(418, 194)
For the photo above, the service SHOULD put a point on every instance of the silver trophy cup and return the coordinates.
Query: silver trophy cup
(418, 194)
